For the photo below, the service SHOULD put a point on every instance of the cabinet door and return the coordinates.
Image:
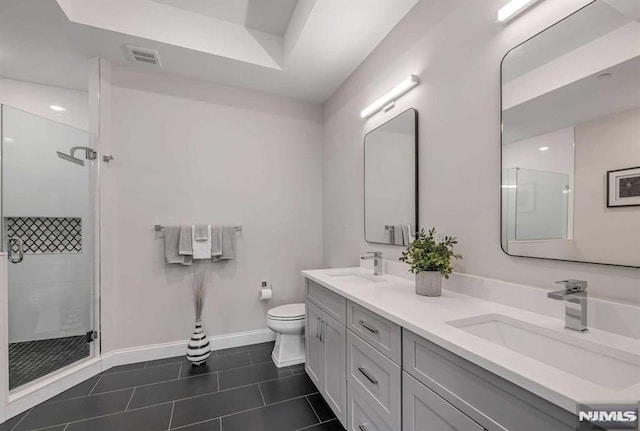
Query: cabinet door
(423, 409)
(334, 337)
(314, 348)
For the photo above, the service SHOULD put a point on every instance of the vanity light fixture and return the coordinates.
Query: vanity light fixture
(57, 108)
(543, 148)
(389, 98)
(513, 8)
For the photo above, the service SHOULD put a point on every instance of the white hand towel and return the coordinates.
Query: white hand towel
(411, 236)
(201, 249)
(405, 234)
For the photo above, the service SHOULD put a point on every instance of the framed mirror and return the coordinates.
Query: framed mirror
(391, 181)
(571, 139)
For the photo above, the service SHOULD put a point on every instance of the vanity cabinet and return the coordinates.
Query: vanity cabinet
(325, 346)
(489, 400)
(376, 375)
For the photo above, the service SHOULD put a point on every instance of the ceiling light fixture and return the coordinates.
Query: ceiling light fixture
(8, 139)
(513, 8)
(57, 108)
(390, 97)
(543, 148)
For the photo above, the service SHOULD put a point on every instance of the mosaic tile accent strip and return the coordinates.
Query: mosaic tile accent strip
(31, 360)
(44, 235)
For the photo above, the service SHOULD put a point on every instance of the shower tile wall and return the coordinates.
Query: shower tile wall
(49, 294)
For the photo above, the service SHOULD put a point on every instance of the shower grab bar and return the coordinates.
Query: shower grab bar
(20, 243)
(160, 228)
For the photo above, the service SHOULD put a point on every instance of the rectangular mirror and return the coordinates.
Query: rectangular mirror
(571, 139)
(390, 181)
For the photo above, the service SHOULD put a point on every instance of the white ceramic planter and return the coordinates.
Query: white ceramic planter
(429, 283)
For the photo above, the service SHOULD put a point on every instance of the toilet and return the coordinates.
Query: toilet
(287, 321)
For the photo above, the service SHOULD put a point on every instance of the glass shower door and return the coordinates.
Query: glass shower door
(541, 205)
(48, 233)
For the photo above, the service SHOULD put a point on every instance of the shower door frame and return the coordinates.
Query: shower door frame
(23, 397)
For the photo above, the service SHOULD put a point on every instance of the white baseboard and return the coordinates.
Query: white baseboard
(60, 382)
(177, 348)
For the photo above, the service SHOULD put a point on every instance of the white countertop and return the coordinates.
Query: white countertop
(395, 299)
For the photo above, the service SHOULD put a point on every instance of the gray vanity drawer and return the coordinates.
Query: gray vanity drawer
(381, 333)
(423, 409)
(489, 400)
(360, 415)
(376, 378)
(332, 303)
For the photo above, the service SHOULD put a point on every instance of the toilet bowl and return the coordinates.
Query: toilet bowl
(287, 321)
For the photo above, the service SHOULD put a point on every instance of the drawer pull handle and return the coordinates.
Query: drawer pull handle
(362, 428)
(317, 327)
(364, 373)
(367, 327)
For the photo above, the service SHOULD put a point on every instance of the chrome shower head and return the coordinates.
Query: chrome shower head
(69, 158)
(89, 154)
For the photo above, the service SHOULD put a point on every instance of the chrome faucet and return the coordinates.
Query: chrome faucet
(377, 261)
(575, 295)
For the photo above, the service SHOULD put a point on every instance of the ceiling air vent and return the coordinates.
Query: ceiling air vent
(143, 55)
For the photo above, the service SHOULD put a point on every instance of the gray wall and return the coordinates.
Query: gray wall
(601, 233)
(456, 47)
(192, 152)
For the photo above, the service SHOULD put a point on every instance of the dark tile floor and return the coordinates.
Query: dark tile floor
(238, 389)
(31, 360)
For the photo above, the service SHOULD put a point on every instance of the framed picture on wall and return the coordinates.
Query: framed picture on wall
(623, 187)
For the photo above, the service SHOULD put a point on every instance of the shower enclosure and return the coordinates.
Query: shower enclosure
(536, 205)
(48, 235)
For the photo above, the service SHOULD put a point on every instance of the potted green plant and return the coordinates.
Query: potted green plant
(429, 259)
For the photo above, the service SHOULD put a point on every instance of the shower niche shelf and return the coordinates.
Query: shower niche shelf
(46, 235)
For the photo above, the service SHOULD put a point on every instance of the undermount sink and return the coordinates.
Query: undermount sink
(608, 367)
(354, 277)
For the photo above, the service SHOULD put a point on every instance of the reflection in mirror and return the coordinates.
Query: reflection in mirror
(571, 139)
(390, 185)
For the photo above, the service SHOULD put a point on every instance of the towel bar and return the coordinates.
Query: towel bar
(160, 228)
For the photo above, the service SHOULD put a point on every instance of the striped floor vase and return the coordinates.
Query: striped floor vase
(198, 349)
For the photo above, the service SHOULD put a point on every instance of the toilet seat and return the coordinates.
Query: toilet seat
(287, 312)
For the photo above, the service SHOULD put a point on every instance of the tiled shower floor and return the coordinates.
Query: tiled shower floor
(31, 360)
(238, 389)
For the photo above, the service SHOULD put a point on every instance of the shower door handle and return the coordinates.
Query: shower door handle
(20, 243)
